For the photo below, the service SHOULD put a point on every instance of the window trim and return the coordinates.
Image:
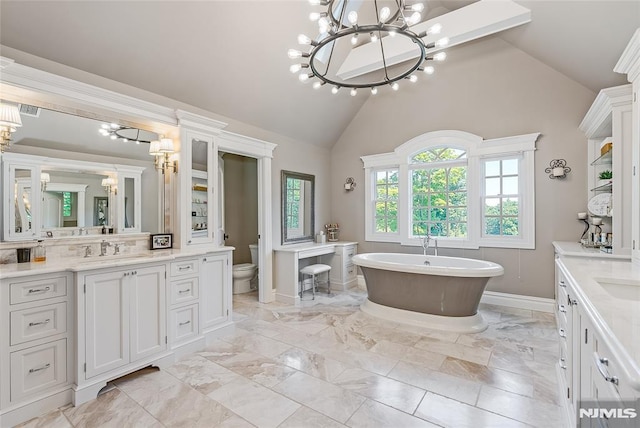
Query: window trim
(478, 150)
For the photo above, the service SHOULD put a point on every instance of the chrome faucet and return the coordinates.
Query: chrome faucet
(87, 250)
(425, 244)
(116, 248)
(103, 247)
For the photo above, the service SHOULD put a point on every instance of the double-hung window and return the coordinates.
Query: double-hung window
(465, 191)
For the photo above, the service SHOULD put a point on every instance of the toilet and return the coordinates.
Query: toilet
(245, 274)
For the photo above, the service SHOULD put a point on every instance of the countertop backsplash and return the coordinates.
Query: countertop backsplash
(74, 247)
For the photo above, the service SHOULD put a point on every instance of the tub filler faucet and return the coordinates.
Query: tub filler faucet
(425, 245)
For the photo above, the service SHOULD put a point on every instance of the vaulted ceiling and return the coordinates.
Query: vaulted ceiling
(229, 57)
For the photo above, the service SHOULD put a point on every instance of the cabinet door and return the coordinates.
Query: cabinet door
(214, 277)
(107, 322)
(200, 168)
(148, 311)
(22, 214)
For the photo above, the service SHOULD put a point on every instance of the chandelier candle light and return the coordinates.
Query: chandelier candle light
(340, 28)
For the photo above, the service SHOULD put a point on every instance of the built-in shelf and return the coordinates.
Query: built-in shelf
(608, 186)
(604, 159)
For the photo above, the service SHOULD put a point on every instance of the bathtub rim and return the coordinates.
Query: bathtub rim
(488, 269)
(470, 324)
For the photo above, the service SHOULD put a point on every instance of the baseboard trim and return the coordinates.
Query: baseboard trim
(518, 301)
(540, 304)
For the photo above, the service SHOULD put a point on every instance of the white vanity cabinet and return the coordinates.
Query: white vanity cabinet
(568, 360)
(184, 298)
(36, 341)
(216, 295)
(343, 272)
(121, 321)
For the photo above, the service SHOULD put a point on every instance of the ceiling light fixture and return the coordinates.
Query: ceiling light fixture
(339, 28)
(126, 133)
(9, 121)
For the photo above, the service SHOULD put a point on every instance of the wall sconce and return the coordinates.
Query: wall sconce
(162, 150)
(557, 168)
(9, 121)
(109, 185)
(350, 184)
(44, 179)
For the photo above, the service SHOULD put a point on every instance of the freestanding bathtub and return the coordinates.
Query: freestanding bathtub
(430, 291)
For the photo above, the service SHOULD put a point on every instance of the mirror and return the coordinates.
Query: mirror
(70, 142)
(199, 190)
(68, 199)
(298, 207)
(23, 220)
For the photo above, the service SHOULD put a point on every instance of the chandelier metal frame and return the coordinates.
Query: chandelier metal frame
(396, 24)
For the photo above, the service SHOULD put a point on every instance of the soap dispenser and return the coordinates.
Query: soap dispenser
(40, 253)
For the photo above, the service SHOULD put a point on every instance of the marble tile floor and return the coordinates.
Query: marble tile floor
(326, 364)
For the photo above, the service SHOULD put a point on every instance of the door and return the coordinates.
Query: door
(214, 275)
(148, 311)
(106, 322)
(52, 208)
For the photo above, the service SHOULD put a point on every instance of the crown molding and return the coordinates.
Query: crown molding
(629, 62)
(243, 145)
(601, 109)
(198, 122)
(81, 94)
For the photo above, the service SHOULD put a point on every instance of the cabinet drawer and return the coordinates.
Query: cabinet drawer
(36, 369)
(184, 290)
(39, 289)
(184, 267)
(184, 323)
(350, 271)
(37, 323)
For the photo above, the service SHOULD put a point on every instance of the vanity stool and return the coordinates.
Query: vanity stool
(313, 271)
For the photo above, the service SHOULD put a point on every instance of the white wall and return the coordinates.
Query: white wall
(491, 89)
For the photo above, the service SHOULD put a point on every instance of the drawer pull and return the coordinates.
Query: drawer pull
(31, 324)
(562, 333)
(562, 364)
(561, 308)
(184, 323)
(350, 270)
(350, 255)
(184, 291)
(181, 268)
(39, 290)
(562, 284)
(46, 366)
(601, 362)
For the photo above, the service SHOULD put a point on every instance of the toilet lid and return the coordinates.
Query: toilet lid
(244, 266)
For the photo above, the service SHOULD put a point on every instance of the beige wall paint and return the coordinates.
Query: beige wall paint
(491, 89)
(241, 204)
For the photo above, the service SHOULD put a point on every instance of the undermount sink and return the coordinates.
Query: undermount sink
(624, 289)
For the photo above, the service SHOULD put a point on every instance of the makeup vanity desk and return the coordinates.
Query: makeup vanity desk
(291, 258)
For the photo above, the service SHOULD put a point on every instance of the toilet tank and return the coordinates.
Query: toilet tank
(254, 253)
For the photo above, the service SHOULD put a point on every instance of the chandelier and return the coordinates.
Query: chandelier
(341, 30)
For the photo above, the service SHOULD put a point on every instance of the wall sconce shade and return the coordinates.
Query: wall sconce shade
(162, 149)
(109, 185)
(349, 184)
(9, 121)
(557, 169)
(44, 179)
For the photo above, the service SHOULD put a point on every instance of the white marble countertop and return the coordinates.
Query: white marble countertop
(616, 310)
(14, 270)
(574, 249)
(312, 245)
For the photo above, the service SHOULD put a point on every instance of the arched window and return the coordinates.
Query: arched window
(455, 186)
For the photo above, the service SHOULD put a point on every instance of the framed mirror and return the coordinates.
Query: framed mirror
(298, 207)
(72, 193)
